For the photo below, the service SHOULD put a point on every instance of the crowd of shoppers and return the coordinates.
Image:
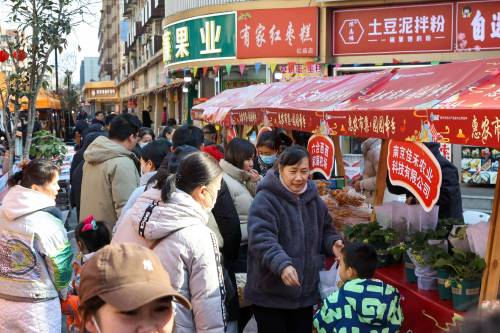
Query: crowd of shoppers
(184, 217)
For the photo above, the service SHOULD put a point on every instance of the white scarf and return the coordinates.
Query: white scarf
(295, 193)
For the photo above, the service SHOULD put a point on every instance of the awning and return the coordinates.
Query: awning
(197, 111)
(397, 104)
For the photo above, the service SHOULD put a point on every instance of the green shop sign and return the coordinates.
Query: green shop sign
(205, 37)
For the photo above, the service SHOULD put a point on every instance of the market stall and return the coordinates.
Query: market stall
(452, 103)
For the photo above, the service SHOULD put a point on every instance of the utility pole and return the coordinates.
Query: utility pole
(57, 79)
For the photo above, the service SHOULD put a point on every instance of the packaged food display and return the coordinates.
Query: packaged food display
(330, 202)
(348, 216)
(351, 198)
(495, 154)
(323, 187)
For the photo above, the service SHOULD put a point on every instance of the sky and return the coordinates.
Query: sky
(84, 35)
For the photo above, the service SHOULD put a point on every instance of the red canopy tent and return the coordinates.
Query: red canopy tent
(399, 108)
(197, 111)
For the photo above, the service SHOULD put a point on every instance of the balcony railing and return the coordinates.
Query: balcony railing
(175, 6)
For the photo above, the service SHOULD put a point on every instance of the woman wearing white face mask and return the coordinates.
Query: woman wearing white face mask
(146, 136)
(174, 214)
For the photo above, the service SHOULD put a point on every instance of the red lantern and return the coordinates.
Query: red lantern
(4, 56)
(19, 55)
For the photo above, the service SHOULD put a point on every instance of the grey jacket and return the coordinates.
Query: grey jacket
(282, 231)
(189, 254)
(242, 189)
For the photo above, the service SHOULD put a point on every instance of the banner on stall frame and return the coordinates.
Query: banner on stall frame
(131, 104)
(230, 84)
(262, 130)
(322, 152)
(231, 133)
(413, 166)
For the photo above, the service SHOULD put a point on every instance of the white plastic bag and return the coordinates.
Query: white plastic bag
(329, 281)
(478, 237)
(459, 243)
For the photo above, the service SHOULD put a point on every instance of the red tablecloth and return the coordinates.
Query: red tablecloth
(423, 311)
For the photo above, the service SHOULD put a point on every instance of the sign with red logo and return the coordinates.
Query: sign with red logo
(262, 130)
(131, 104)
(394, 29)
(321, 149)
(478, 26)
(231, 133)
(283, 32)
(413, 166)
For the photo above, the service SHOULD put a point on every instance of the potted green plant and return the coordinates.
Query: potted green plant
(381, 240)
(46, 145)
(465, 281)
(436, 254)
(352, 233)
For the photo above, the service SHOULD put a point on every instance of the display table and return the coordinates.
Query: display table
(423, 311)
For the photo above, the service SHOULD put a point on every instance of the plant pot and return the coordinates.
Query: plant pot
(394, 261)
(382, 254)
(410, 270)
(466, 298)
(444, 293)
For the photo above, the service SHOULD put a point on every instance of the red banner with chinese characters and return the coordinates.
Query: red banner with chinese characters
(131, 104)
(394, 29)
(231, 133)
(322, 152)
(300, 72)
(477, 26)
(413, 166)
(281, 32)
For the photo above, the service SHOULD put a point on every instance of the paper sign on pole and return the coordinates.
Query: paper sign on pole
(231, 133)
(321, 149)
(413, 166)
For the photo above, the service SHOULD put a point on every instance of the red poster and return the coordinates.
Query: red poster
(395, 29)
(478, 26)
(231, 134)
(321, 149)
(413, 166)
(283, 32)
(131, 104)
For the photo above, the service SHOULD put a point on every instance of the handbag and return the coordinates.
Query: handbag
(229, 287)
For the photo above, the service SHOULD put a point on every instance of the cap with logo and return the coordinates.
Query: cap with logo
(126, 276)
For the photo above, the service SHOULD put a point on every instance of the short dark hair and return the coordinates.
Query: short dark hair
(145, 131)
(171, 122)
(98, 113)
(361, 257)
(94, 240)
(211, 129)
(149, 106)
(301, 138)
(269, 139)
(292, 155)
(108, 118)
(123, 126)
(167, 130)
(285, 140)
(165, 108)
(238, 151)
(37, 172)
(188, 135)
(155, 152)
(196, 169)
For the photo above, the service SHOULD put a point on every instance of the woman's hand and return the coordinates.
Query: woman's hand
(254, 174)
(290, 277)
(337, 247)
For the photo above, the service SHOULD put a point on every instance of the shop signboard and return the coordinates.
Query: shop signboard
(231, 84)
(413, 166)
(393, 29)
(321, 152)
(300, 72)
(480, 165)
(208, 37)
(102, 93)
(478, 26)
(281, 32)
(131, 104)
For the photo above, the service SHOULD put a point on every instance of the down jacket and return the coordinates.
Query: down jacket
(35, 260)
(189, 254)
(242, 189)
(371, 155)
(283, 231)
(110, 175)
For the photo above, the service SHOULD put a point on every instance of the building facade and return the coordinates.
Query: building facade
(6, 37)
(89, 70)
(109, 41)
